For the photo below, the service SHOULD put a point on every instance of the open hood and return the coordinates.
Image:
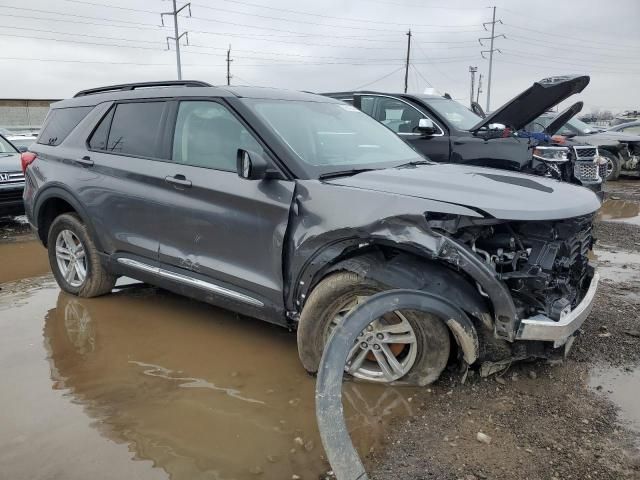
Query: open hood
(500, 193)
(563, 117)
(534, 101)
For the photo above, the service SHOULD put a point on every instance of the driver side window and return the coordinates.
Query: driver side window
(208, 135)
(398, 116)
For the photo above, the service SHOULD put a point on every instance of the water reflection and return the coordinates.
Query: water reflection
(201, 392)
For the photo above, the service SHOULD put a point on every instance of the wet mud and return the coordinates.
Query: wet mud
(190, 391)
(22, 258)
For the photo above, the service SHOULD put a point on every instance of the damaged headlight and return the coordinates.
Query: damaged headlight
(551, 154)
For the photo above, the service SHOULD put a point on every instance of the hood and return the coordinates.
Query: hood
(563, 117)
(10, 162)
(607, 138)
(534, 101)
(499, 193)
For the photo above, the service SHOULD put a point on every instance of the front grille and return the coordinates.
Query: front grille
(11, 178)
(585, 153)
(587, 171)
(10, 195)
(602, 169)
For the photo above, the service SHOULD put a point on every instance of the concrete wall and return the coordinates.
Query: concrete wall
(18, 114)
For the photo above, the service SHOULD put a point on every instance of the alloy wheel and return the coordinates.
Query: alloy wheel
(71, 258)
(385, 351)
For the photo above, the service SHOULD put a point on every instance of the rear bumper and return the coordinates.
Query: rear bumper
(541, 327)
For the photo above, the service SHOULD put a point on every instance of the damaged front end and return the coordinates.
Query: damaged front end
(544, 265)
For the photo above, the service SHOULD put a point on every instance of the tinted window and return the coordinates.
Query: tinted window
(208, 135)
(367, 104)
(98, 140)
(135, 129)
(397, 115)
(453, 112)
(59, 124)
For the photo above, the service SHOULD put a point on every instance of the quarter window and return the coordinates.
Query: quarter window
(59, 124)
(135, 130)
(208, 135)
(98, 140)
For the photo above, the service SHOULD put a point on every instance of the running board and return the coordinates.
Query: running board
(195, 282)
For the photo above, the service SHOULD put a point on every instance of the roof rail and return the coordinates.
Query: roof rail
(133, 86)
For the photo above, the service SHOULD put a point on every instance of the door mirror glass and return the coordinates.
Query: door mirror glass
(426, 126)
(250, 165)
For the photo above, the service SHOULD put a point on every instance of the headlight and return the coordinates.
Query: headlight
(551, 154)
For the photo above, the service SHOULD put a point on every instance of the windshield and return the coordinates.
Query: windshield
(6, 147)
(572, 127)
(454, 113)
(333, 136)
(579, 126)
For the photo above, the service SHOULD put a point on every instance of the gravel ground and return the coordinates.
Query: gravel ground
(543, 420)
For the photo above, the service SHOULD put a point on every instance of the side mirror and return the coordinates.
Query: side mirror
(23, 148)
(250, 165)
(426, 127)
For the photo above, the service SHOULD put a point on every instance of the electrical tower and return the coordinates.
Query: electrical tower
(229, 66)
(406, 66)
(479, 89)
(472, 71)
(176, 36)
(490, 51)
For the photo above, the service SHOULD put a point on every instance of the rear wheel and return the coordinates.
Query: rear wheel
(402, 346)
(74, 259)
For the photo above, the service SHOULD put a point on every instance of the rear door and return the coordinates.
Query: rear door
(403, 118)
(220, 228)
(127, 197)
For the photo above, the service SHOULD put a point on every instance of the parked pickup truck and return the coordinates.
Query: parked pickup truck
(447, 131)
(292, 208)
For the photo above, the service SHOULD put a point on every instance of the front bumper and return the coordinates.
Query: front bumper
(541, 327)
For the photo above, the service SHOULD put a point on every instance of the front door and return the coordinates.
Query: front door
(403, 118)
(220, 228)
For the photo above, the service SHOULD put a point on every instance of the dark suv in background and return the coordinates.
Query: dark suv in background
(292, 208)
(11, 179)
(446, 131)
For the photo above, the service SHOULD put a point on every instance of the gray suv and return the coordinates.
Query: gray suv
(293, 208)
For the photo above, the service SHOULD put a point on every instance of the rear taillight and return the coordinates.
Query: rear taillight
(27, 158)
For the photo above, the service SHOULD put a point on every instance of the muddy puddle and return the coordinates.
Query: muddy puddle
(618, 210)
(144, 384)
(22, 259)
(618, 265)
(621, 386)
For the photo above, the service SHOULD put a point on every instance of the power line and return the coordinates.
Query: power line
(298, 12)
(379, 79)
(420, 75)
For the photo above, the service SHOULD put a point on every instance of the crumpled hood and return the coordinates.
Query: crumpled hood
(501, 194)
(10, 162)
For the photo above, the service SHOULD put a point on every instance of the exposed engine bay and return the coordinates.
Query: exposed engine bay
(544, 264)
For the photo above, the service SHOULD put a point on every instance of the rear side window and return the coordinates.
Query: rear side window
(98, 140)
(59, 124)
(135, 130)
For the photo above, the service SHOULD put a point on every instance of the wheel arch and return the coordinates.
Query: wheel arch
(55, 201)
(401, 267)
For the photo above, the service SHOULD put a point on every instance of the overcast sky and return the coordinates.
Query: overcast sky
(329, 45)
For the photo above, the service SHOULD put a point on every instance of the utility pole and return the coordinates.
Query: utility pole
(479, 88)
(406, 67)
(490, 51)
(176, 36)
(229, 66)
(472, 71)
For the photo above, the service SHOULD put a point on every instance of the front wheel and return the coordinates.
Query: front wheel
(402, 346)
(613, 165)
(74, 259)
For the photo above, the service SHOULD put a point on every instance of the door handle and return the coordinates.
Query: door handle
(86, 161)
(180, 180)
